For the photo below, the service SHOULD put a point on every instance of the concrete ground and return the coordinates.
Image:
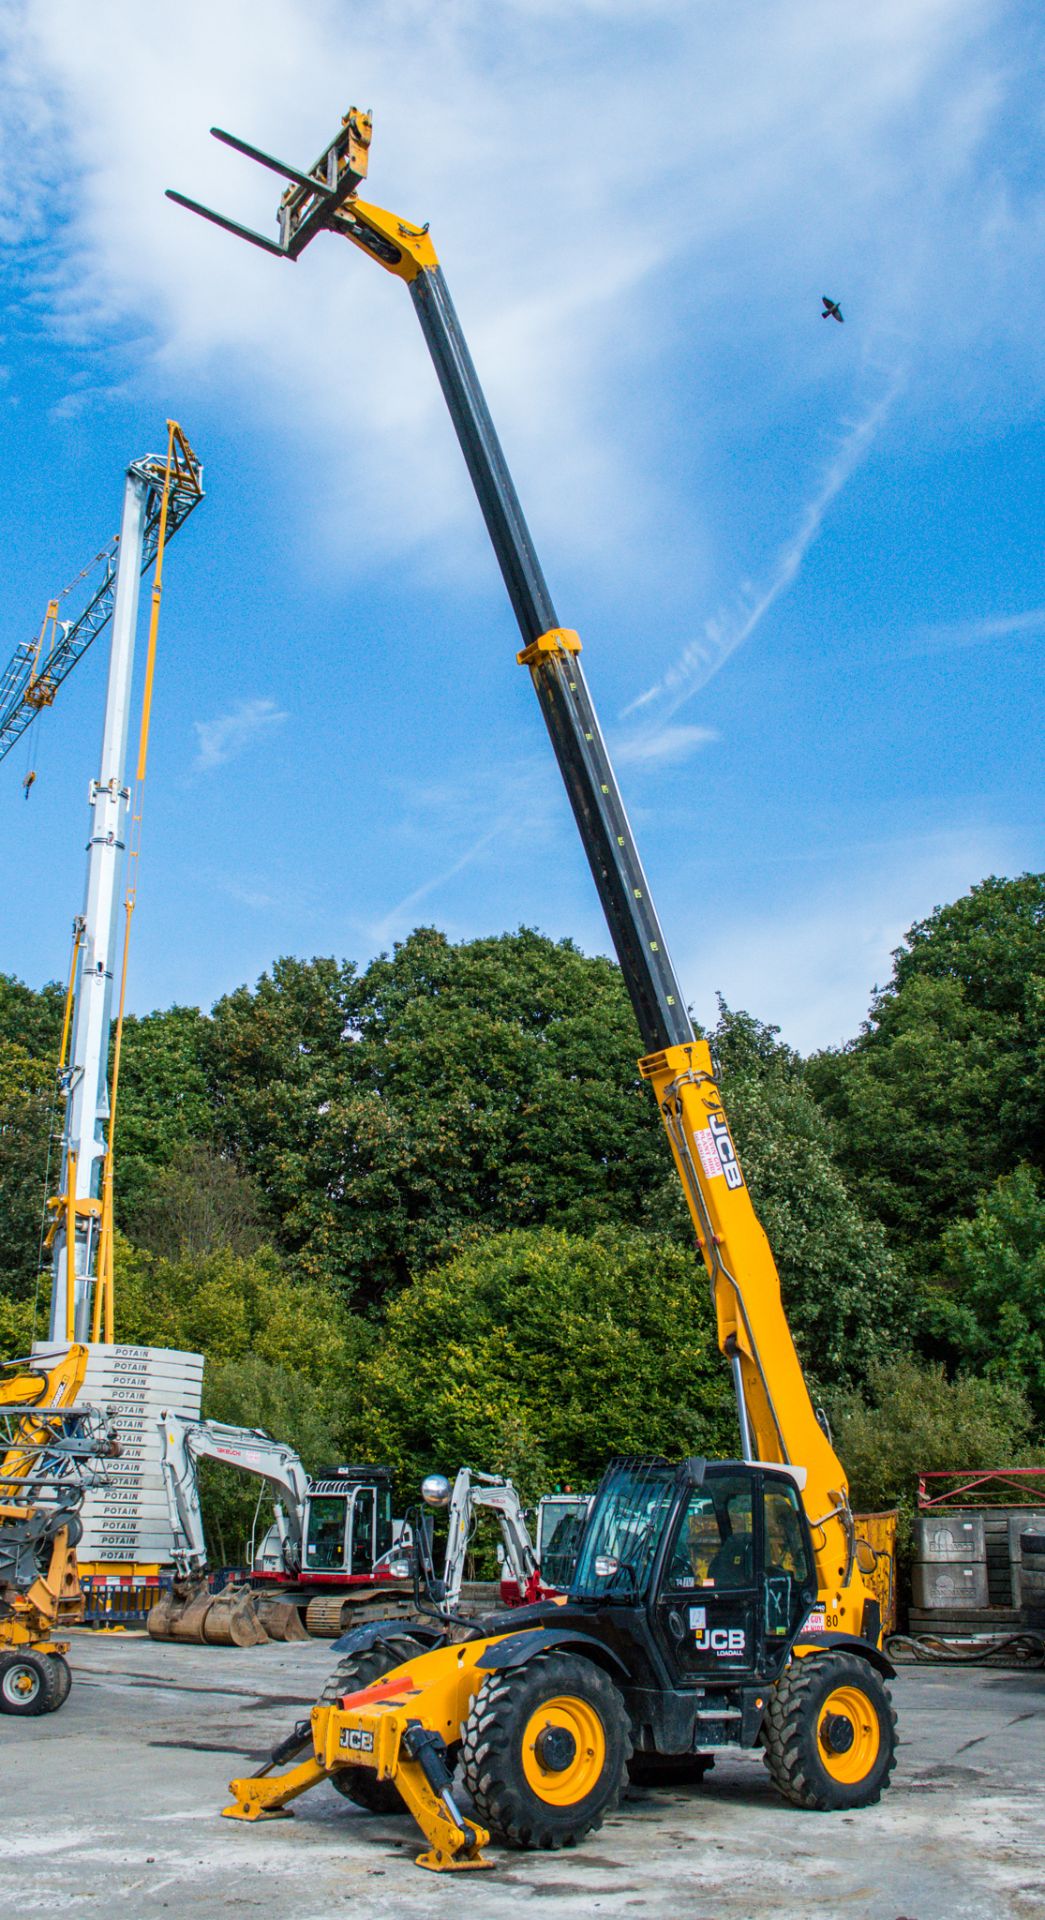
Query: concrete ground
(111, 1806)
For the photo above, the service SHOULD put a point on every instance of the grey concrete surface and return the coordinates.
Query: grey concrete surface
(111, 1807)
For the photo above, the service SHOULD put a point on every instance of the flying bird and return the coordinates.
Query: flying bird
(832, 310)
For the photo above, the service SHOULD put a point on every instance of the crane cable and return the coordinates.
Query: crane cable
(103, 1304)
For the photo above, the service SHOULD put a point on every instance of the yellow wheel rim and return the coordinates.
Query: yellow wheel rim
(563, 1751)
(848, 1735)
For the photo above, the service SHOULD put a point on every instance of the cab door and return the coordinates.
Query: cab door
(706, 1612)
(325, 1542)
(790, 1574)
(362, 1532)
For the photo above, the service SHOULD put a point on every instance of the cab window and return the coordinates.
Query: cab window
(714, 1545)
(326, 1533)
(789, 1571)
(786, 1548)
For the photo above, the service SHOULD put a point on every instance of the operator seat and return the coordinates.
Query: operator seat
(733, 1564)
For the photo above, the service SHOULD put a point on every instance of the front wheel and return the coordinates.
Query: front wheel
(359, 1670)
(830, 1733)
(545, 1750)
(30, 1683)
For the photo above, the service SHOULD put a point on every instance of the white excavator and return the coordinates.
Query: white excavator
(333, 1549)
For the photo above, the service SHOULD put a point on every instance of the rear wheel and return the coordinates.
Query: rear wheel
(830, 1733)
(546, 1750)
(359, 1670)
(30, 1683)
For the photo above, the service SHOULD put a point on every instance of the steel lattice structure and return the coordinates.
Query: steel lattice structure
(25, 675)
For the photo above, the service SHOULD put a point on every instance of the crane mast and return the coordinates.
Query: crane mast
(160, 491)
(777, 1420)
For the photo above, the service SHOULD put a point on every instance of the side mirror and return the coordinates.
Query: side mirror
(866, 1557)
(435, 1490)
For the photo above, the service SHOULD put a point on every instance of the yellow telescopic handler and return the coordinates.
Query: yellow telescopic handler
(714, 1604)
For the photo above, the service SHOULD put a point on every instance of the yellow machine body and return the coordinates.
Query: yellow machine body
(366, 1729)
(55, 1598)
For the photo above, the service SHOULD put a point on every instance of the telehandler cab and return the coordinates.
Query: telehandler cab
(711, 1605)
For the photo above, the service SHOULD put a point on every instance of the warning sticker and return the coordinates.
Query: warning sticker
(726, 1151)
(708, 1152)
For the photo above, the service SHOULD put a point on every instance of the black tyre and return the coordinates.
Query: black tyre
(29, 1684)
(830, 1733)
(65, 1680)
(545, 1750)
(356, 1671)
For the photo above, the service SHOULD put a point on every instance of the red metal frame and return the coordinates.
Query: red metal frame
(977, 1481)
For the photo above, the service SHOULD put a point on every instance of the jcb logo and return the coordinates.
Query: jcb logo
(727, 1153)
(357, 1740)
(722, 1639)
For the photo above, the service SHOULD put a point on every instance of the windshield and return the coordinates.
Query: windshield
(325, 1547)
(623, 1530)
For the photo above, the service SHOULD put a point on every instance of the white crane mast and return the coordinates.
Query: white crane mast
(160, 491)
(84, 1141)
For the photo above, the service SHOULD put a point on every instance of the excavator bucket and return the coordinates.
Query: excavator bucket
(160, 1617)
(193, 1615)
(232, 1620)
(281, 1619)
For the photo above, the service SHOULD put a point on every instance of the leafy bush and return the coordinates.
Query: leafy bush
(990, 1307)
(540, 1354)
(914, 1419)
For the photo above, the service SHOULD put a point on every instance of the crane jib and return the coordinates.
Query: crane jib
(565, 702)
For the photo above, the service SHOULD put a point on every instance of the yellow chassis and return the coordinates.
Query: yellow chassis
(435, 1691)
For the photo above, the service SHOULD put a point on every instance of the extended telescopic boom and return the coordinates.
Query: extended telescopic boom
(777, 1419)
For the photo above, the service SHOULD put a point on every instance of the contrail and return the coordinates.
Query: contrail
(702, 659)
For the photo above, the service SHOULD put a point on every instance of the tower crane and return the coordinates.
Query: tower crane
(714, 1604)
(160, 492)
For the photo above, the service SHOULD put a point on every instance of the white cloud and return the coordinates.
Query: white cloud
(808, 966)
(229, 734)
(975, 633)
(584, 166)
(663, 746)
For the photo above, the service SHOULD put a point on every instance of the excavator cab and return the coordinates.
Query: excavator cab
(348, 1520)
(715, 1561)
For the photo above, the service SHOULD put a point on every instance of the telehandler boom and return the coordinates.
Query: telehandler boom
(713, 1604)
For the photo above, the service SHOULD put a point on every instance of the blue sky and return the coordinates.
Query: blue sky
(805, 560)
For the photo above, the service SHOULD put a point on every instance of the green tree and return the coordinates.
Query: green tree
(32, 1019)
(989, 1308)
(491, 1084)
(164, 1099)
(846, 1295)
(540, 1354)
(26, 1101)
(944, 1090)
(228, 1306)
(277, 1054)
(200, 1202)
(912, 1419)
